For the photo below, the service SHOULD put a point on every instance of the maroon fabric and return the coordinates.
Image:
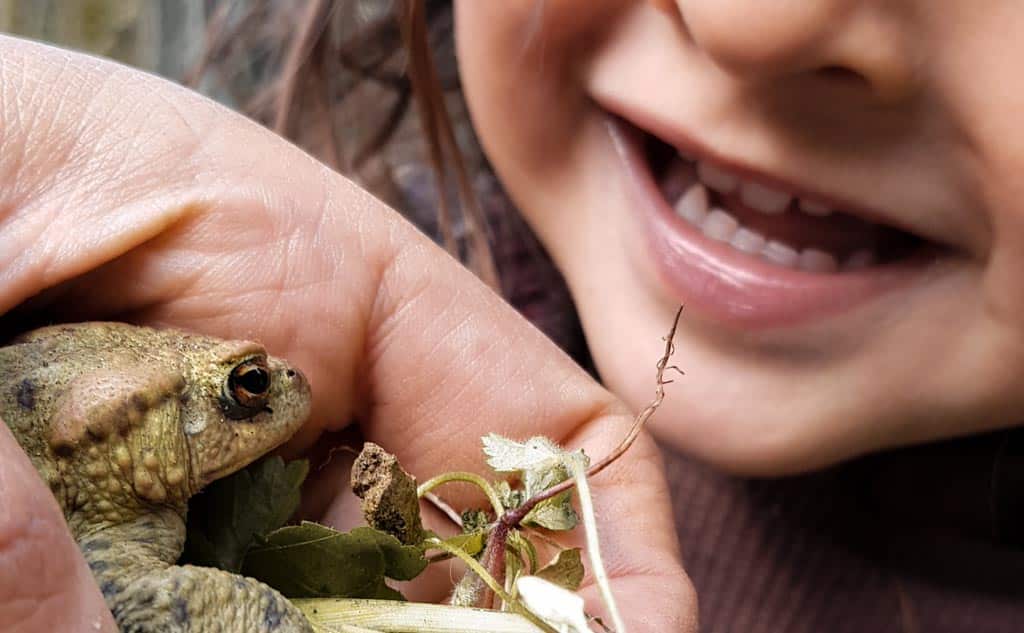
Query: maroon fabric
(918, 540)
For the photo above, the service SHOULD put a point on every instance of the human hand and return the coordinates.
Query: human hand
(127, 198)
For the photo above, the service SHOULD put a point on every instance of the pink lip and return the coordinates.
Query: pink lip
(731, 287)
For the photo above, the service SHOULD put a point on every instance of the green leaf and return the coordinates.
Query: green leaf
(524, 552)
(315, 561)
(472, 543)
(508, 456)
(510, 498)
(555, 513)
(565, 570)
(538, 461)
(228, 517)
(540, 464)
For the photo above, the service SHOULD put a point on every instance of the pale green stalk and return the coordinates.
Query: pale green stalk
(353, 615)
(466, 477)
(489, 580)
(579, 472)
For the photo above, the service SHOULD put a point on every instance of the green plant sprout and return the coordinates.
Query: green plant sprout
(339, 579)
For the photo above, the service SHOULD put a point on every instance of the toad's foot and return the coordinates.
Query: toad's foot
(147, 594)
(202, 600)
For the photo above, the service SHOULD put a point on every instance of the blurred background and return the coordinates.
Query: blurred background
(163, 36)
(350, 98)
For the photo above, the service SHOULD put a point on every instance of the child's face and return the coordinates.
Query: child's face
(807, 336)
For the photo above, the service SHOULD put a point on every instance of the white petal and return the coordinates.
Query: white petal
(557, 606)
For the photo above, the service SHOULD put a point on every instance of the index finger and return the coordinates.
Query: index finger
(217, 226)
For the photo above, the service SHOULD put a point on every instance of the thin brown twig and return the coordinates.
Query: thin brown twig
(493, 557)
(516, 515)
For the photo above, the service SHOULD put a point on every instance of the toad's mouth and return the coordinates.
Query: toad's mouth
(746, 249)
(769, 223)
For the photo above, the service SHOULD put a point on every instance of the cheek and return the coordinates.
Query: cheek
(521, 64)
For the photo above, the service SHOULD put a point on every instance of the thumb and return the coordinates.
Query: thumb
(45, 584)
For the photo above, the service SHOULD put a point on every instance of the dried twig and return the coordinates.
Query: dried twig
(516, 516)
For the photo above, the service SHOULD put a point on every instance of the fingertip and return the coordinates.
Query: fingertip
(650, 603)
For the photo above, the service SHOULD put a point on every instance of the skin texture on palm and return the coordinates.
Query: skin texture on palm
(136, 200)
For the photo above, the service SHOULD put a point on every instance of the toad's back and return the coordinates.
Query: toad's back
(124, 423)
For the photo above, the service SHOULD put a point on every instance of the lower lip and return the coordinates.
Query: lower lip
(733, 288)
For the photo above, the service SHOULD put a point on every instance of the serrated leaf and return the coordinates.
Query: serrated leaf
(539, 462)
(508, 456)
(565, 569)
(228, 517)
(315, 561)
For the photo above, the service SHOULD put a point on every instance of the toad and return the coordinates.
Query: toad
(125, 423)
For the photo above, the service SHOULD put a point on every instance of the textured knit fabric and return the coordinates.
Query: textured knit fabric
(918, 540)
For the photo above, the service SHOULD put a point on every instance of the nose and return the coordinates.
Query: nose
(766, 40)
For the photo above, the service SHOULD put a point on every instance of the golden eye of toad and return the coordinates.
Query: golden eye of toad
(249, 383)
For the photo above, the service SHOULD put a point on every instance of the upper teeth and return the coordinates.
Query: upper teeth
(764, 199)
(814, 208)
(717, 178)
(720, 225)
(755, 195)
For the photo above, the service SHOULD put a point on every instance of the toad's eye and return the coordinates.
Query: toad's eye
(247, 389)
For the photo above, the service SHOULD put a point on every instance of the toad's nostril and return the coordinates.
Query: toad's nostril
(291, 373)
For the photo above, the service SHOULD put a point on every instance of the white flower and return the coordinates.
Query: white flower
(557, 606)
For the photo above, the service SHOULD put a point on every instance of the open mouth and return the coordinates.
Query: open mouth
(747, 250)
(769, 223)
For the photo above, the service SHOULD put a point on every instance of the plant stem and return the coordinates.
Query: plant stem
(515, 516)
(494, 560)
(465, 477)
(594, 546)
(489, 580)
(330, 615)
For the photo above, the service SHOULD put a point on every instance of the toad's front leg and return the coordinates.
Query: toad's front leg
(133, 564)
